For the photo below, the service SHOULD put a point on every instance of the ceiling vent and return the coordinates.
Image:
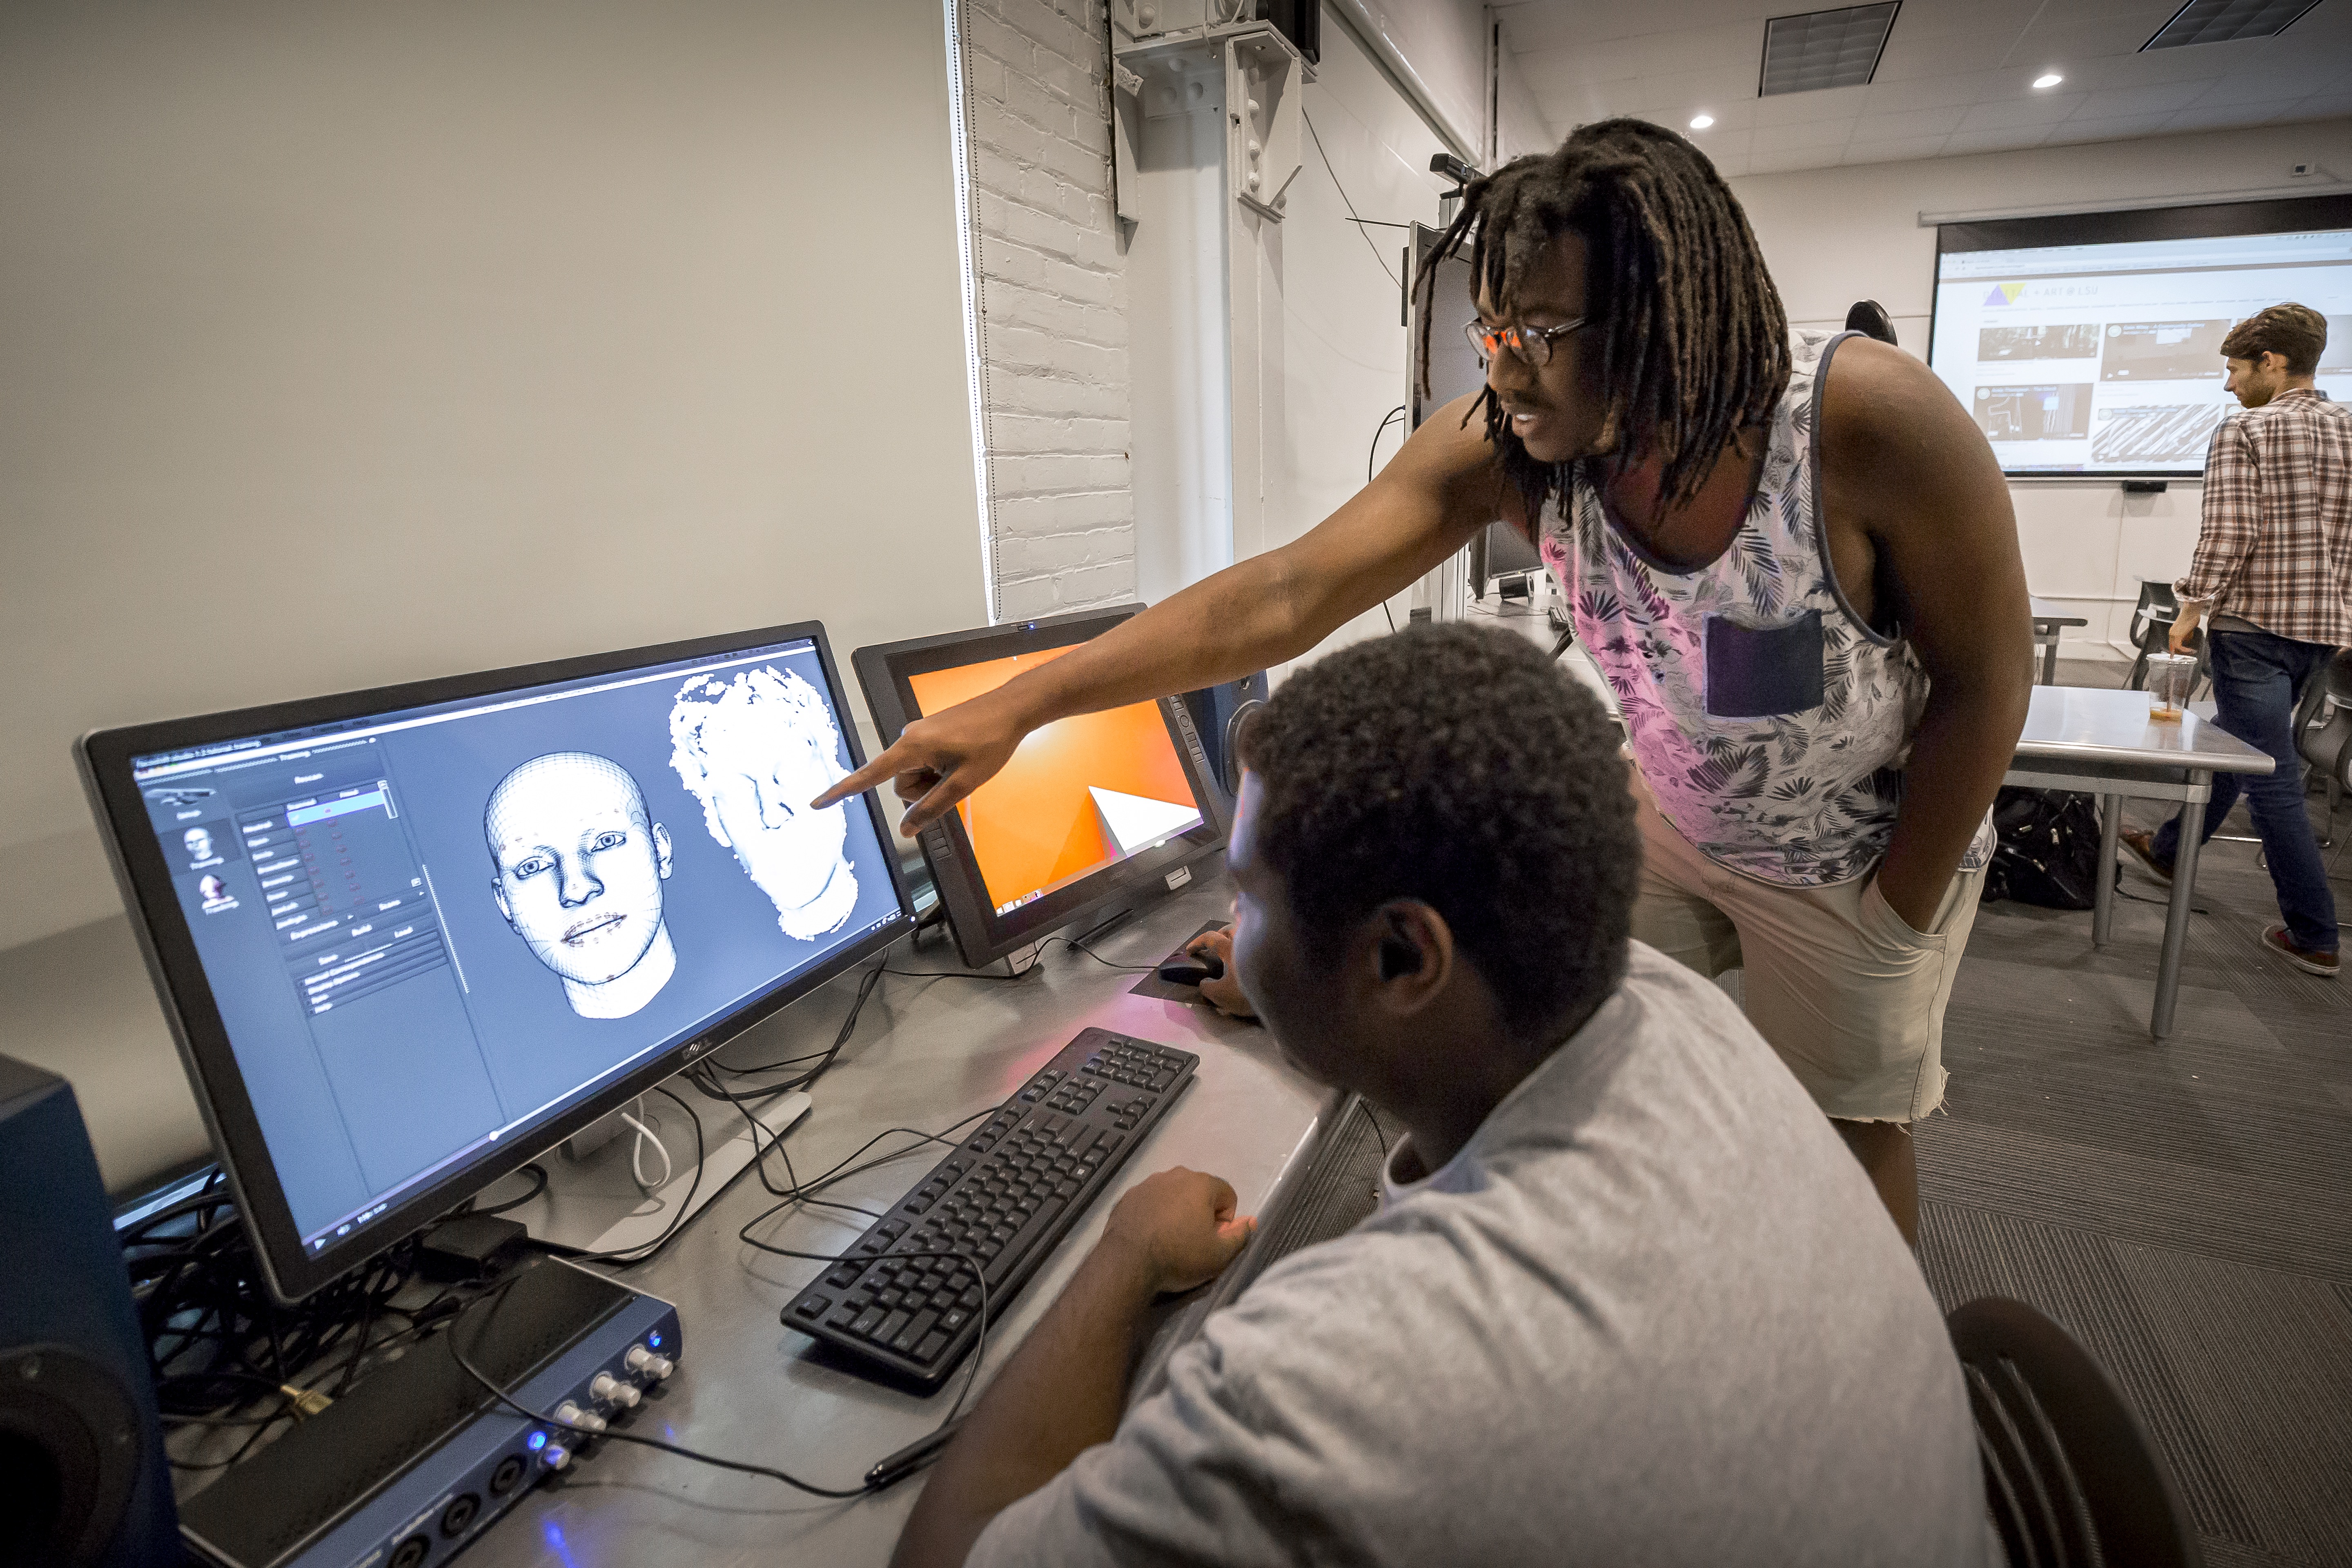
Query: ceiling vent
(1826, 48)
(2220, 21)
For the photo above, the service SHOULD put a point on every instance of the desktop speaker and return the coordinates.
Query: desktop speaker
(1218, 713)
(82, 1482)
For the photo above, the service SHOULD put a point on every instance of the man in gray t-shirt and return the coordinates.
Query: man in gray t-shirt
(1627, 1299)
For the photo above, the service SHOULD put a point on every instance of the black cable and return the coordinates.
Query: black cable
(1394, 414)
(502, 1395)
(645, 1251)
(806, 1194)
(1099, 958)
(1343, 197)
(1387, 419)
(537, 1173)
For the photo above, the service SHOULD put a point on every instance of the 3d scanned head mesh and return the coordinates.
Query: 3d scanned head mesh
(579, 865)
(755, 749)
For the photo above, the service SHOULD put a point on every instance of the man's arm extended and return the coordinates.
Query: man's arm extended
(1063, 1391)
(1439, 489)
(1907, 458)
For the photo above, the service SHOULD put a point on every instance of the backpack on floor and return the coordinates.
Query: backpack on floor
(2048, 852)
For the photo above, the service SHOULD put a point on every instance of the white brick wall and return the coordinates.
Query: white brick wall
(1053, 305)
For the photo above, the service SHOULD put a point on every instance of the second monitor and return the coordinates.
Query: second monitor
(1090, 810)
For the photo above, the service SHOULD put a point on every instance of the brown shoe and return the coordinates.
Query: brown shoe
(2143, 849)
(2274, 937)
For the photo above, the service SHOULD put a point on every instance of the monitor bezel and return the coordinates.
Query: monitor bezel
(144, 874)
(884, 673)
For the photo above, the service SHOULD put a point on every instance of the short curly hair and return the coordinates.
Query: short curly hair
(2297, 332)
(1456, 765)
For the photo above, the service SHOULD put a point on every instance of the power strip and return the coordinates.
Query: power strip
(419, 1459)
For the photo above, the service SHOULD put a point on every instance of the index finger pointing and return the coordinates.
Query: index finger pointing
(858, 783)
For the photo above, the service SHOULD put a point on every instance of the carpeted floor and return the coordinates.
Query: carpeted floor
(2183, 1207)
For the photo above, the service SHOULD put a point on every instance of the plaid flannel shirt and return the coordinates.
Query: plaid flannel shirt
(2275, 545)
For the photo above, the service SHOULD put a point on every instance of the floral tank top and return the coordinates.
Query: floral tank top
(1770, 721)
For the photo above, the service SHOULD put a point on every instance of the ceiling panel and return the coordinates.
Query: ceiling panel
(2157, 98)
(1956, 76)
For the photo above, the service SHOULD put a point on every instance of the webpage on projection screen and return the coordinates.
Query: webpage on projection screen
(2107, 358)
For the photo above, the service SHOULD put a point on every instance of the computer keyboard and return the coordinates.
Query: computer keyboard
(900, 1304)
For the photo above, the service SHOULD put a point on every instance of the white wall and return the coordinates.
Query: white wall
(1519, 127)
(345, 344)
(1836, 236)
(1343, 347)
(1440, 48)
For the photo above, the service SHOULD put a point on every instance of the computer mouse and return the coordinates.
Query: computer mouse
(1191, 970)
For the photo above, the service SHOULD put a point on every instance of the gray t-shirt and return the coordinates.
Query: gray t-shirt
(1652, 1313)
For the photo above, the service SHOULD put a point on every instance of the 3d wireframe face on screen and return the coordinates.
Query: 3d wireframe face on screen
(755, 751)
(580, 865)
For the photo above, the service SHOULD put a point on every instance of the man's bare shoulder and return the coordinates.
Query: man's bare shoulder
(1896, 443)
(1875, 392)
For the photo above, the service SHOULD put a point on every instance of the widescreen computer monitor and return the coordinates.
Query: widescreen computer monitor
(1091, 810)
(410, 938)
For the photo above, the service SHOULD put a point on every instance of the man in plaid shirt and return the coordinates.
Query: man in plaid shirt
(2271, 579)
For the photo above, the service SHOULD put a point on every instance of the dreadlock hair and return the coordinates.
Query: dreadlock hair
(1695, 343)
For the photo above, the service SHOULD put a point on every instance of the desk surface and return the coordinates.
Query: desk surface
(926, 1052)
(2046, 612)
(2095, 725)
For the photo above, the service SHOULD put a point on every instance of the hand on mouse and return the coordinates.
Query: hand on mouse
(1224, 993)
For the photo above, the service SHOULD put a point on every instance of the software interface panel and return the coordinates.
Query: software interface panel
(2107, 358)
(1079, 795)
(431, 930)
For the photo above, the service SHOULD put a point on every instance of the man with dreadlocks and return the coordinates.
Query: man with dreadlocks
(1791, 556)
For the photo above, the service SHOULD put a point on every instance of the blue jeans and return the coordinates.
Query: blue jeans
(2256, 677)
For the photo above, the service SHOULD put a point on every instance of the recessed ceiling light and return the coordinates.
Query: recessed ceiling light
(2048, 78)
(1701, 121)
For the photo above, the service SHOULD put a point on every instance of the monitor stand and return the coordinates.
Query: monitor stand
(593, 1202)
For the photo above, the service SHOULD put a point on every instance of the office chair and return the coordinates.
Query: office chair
(2151, 632)
(2151, 624)
(2070, 1475)
(1869, 318)
(2323, 733)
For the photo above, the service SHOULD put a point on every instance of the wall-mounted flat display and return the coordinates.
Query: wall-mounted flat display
(2091, 343)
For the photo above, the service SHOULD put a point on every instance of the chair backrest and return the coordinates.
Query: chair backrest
(2323, 726)
(2158, 605)
(1869, 318)
(2070, 1474)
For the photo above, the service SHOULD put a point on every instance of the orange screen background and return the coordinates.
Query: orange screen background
(1033, 825)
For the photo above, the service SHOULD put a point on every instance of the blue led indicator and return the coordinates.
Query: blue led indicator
(653, 1340)
(536, 1441)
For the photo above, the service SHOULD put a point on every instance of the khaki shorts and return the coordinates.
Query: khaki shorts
(1844, 990)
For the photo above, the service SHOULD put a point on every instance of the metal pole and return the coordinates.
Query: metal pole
(2176, 918)
(2103, 897)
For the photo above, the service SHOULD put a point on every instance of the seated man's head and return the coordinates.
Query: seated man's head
(754, 749)
(579, 864)
(1435, 858)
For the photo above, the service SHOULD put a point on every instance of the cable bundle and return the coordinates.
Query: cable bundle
(223, 1351)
